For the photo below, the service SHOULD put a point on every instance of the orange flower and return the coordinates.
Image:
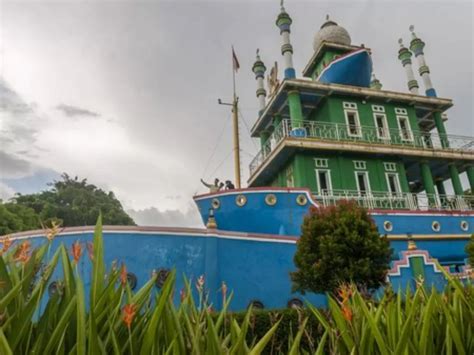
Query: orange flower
(347, 313)
(76, 251)
(53, 231)
(344, 292)
(6, 243)
(90, 250)
(123, 275)
(22, 254)
(128, 314)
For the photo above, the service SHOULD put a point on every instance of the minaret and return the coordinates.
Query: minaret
(375, 83)
(404, 55)
(284, 22)
(259, 70)
(416, 46)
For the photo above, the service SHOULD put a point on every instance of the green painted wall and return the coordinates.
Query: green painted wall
(325, 59)
(342, 172)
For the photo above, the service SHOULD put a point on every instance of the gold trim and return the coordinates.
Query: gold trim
(271, 199)
(240, 200)
(302, 200)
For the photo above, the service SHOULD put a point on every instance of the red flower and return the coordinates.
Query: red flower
(123, 275)
(128, 314)
(6, 243)
(76, 251)
(22, 254)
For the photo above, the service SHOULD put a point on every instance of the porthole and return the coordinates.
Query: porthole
(256, 304)
(132, 280)
(388, 226)
(216, 203)
(301, 200)
(295, 303)
(161, 276)
(465, 225)
(436, 226)
(241, 200)
(53, 288)
(270, 199)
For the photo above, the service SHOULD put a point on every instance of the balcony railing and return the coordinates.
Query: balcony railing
(397, 201)
(364, 134)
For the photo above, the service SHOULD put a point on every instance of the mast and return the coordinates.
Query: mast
(235, 121)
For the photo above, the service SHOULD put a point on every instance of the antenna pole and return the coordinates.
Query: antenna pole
(235, 119)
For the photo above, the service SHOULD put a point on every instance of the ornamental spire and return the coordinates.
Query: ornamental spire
(259, 71)
(284, 22)
(404, 55)
(417, 46)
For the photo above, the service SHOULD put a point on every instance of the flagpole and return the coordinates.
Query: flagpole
(235, 119)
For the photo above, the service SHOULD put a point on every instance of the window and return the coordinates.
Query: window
(363, 185)
(353, 124)
(290, 182)
(359, 165)
(377, 108)
(401, 111)
(393, 183)
(321, 163)
(381, 126)
(404, 126)
(349, 105)
(390, 166)
(323, 179)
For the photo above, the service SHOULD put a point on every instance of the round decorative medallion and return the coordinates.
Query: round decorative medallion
(216, 203)
(241, 200)
(436, 226)
(271, 199)
(465, 225)
(295, 303)
(161, 276)
(388, 226)
(301, 200)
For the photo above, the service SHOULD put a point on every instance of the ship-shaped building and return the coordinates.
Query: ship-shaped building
(332, 134)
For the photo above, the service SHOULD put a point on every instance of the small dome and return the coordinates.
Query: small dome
(331, 32)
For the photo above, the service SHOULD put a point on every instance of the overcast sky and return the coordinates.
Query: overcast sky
(125, 93)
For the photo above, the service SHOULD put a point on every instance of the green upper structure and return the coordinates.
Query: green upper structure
(342, 140)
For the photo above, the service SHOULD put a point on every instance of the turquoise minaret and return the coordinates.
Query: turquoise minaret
(284, 22)
(417, 46)
(405, 55)
(259, 71)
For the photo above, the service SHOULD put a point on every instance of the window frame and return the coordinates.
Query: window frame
(329, 180)
(387, 166)
(367, 181)
(324, 161)
(357, 125)
(410, 132)
(397, 181)
(386, 129)
(361, 167)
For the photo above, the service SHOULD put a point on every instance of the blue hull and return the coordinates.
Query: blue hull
(353, 69)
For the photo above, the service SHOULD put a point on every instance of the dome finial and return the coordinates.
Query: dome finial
(327, 17)
(412, 30)
(282, 7)
(400, 42)
(258, 53)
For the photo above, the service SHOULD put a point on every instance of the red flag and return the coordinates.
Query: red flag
(235, 61)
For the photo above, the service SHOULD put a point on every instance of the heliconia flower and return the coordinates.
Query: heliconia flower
(76, 251)
(22, 254)
(182, 295)
(123, 275)
(90, 250)
(53, 231)
(200, 283)
(347, 313)
(345, 292)
(6, 243)
(128, 314)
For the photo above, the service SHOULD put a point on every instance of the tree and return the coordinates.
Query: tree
(470, 251)
(340, 244)
(71, 201)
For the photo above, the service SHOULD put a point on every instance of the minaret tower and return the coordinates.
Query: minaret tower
(405, 55)
(284, 22)
(375, 83)
(259, 71)
(416, 46)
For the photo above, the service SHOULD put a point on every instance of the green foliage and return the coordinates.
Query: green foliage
(470, 251)
(16, 218)
(340, 244)
(70, 201)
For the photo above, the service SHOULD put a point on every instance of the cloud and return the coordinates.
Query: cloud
(13, 166)
(6, 192)
(169, 218)
(74, 111)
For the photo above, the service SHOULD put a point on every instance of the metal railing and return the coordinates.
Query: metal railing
(397, 201)
(362, 134)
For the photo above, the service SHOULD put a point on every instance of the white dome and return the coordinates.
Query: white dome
(331, 32)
